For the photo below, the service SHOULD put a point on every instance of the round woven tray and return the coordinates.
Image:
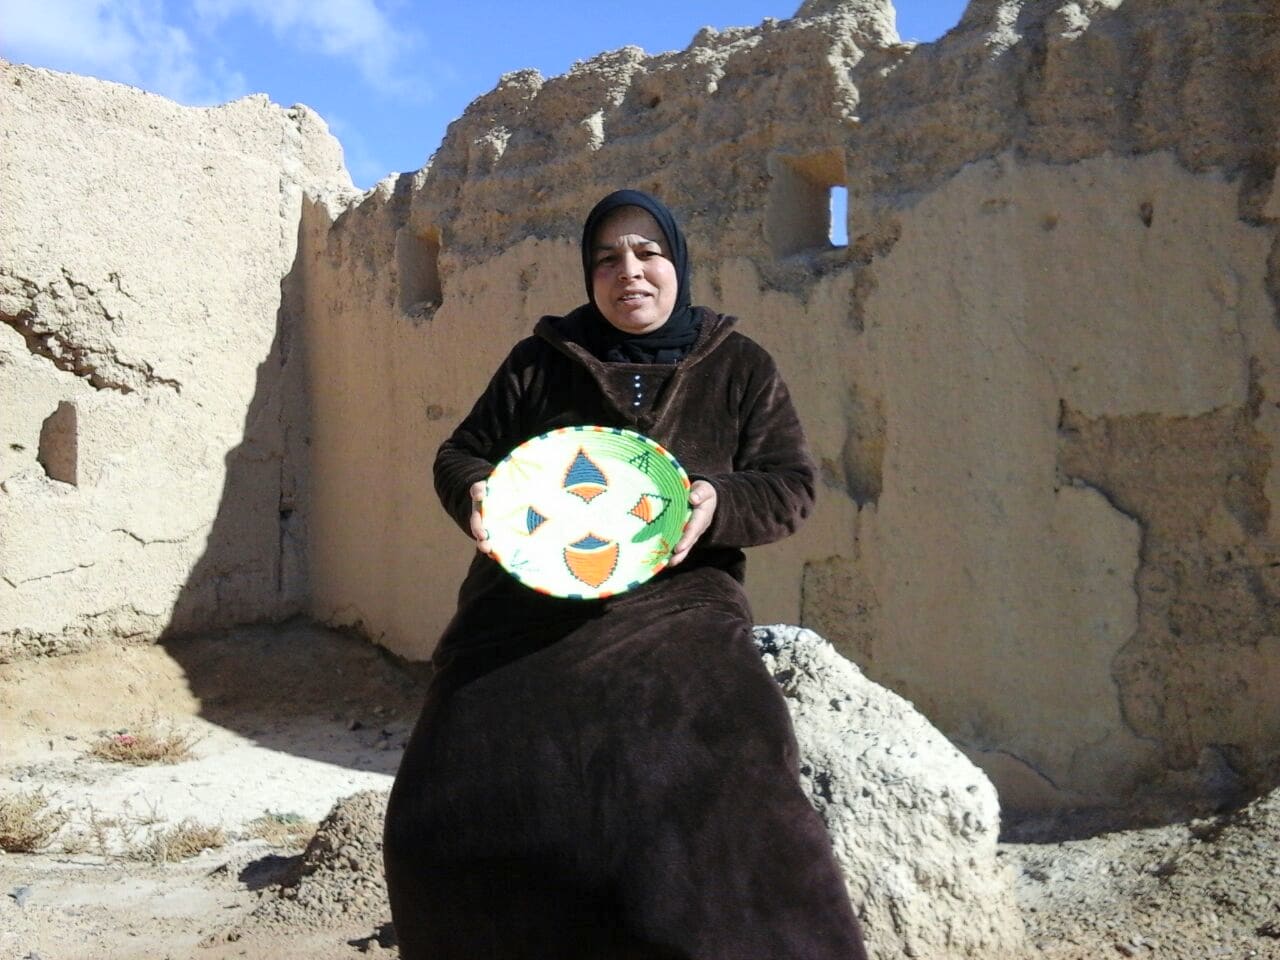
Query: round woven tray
(586, 512)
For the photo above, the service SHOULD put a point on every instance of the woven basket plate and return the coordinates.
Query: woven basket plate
(586, 512)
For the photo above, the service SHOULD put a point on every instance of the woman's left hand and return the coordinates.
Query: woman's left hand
(702, 498)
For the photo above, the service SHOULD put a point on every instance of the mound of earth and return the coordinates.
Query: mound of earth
(338, 879)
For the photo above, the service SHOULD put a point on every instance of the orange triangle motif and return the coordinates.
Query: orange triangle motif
(591, 559)
(649, 507)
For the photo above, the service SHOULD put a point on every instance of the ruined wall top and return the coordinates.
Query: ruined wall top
(709, 127)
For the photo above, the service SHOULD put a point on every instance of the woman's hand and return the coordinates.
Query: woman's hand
(702, 498)
(478, 530)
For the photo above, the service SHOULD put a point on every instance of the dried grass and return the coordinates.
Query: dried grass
(186, 839)
(123, 836)
(27, 823)
(289, 830)
(148, 741)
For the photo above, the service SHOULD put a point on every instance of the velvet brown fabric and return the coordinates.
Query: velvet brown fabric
(617, 778)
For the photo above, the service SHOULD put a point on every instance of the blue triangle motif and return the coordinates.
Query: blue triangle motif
(582, 470)
(533, 519)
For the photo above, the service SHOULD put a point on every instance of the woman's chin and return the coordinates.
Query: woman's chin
(637, 323)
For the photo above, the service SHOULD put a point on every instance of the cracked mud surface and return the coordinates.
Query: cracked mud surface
(276, 737)
(62, 322)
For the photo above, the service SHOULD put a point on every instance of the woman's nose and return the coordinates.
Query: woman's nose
(629, 265)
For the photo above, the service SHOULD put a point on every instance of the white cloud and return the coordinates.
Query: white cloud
(354, 30)
(125, 40)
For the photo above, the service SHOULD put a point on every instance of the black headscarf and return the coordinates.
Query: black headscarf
(671, 341)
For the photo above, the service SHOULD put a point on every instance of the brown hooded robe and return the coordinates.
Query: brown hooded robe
(618, 778)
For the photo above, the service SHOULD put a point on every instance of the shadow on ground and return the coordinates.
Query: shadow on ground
(255, 681)
(269, 683)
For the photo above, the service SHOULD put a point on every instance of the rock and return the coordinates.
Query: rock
(914, 823)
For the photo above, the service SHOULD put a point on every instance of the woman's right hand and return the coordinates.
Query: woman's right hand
(478, 531)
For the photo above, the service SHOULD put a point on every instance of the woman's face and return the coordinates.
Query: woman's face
(633, 280)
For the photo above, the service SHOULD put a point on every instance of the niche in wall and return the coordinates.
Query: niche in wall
(806, 196)
(418, 267)
(59, 445)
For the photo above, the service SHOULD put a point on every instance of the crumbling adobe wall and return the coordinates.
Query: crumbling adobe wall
(153, 408)
(1006, 546)
(1040, 378)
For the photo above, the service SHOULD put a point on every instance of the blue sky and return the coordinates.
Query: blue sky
(387, 75)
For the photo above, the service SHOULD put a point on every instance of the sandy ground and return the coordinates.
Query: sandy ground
(271, 737)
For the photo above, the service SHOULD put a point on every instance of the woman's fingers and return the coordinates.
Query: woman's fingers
(702, 498)
(478, 531)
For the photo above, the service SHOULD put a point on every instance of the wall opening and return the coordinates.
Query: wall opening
(418, 266)
(59, 445)
(838, 206)
(807, 207)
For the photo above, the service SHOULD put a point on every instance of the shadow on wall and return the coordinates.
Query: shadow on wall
(261, 682)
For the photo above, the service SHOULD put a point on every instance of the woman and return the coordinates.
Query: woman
(617, 778)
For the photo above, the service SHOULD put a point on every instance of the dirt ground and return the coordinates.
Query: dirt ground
(275, 741)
